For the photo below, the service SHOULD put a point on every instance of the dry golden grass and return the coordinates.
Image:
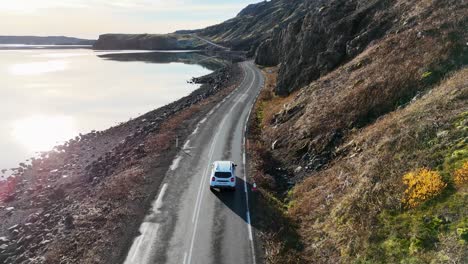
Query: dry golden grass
(122, 184)
(387, 75)
(276, 232)
(422, 185)
(272, 104)
(386, 112)
(338, 207)
(460, 176)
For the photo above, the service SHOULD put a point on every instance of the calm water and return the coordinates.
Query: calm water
(48, 96)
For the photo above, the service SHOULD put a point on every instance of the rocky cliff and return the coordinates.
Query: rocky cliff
(330, 33)
(254, 24)
(366, 108)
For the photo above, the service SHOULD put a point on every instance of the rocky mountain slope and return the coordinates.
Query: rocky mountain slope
(358, 142)
(365, 111)
(254, 24)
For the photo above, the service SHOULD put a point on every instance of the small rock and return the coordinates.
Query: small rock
(69, 222)
(298, 169)
(10, 208)
(12, 227)
(273, 145)
(3, 246)
(45, 242)
(442, 133)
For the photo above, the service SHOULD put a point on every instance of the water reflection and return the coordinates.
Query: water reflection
(49, 96)
(209, 61)
(41, 133)
(38, 68)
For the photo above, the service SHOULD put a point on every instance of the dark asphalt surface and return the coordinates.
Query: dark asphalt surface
(188, 223)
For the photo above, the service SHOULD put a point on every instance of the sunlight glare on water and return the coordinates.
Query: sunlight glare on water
(41, 132)
(38, 68)
(52, 95)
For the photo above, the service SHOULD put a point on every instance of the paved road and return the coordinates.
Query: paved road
(210, 42)
(189, 223)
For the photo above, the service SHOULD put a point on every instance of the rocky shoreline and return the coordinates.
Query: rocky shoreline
(84, 201)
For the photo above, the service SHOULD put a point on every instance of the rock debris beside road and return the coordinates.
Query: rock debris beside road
(83, 201)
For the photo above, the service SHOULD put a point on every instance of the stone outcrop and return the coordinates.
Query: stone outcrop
(329, 34)
(253, 24)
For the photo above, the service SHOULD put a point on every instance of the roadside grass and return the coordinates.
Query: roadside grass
(352, 135)
(385, 77)
(280, 240)
(352, 212)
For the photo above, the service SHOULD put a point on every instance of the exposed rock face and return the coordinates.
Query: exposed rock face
(373, 87)
(254, 24)
(267, 53)
(326, 36)
(308, 38)
(148, 42)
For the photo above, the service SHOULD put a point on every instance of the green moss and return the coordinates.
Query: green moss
(406, 236)
(426, 74)
(462, 230)
(260, 114)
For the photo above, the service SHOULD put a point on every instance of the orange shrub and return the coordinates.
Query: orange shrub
(422, 185)
(460, 176)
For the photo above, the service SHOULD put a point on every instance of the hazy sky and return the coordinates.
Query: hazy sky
(89, 18)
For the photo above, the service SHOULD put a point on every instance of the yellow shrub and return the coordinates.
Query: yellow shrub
(460, 176)
(422, 185)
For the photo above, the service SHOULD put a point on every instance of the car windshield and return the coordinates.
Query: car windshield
(220, 174)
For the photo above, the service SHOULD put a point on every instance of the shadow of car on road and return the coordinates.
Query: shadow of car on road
(236, 200)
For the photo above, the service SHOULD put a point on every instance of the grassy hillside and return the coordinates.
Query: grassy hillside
(367, 163)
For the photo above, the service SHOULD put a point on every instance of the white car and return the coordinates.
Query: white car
(223, 175)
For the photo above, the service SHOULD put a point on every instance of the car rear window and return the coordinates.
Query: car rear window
(220, 174)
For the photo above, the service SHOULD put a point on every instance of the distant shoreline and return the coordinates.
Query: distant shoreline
(27, 46)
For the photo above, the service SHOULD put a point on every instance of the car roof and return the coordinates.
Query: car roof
(222, 165)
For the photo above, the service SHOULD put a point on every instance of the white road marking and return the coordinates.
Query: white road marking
(201, 191)
(242, 97)
(175, 163)
(203, 121)
(185, 258)
(195, 130)
(206, 176)
(187, 144)
(141, 247)
(249, 226)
